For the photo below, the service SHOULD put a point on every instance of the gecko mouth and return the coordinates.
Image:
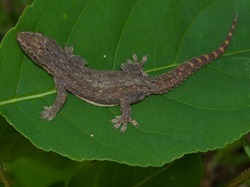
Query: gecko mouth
(20, 37)
(25, 39)
(31, 43)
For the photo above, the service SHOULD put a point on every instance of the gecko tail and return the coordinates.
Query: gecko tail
(170, 80)
(204, 59)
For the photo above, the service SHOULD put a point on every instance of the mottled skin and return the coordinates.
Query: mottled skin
(106, 88)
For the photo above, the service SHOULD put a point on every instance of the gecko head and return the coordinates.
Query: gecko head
(41, 49)
(36, 44)
(28, 41)
(33, 44)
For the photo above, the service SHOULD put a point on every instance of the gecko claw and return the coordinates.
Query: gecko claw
(134, 56)
(124, 127)
(69, 49)
(129, 61)
(144, 59)
(120, 121)
(47, 114)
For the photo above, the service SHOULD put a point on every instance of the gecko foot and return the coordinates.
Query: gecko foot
(121, 121)
(135, 59)
(134, 66)
(47, 114)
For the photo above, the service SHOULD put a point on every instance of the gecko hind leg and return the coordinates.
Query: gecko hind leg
(134, 66)
(50, 111)
(122, 121)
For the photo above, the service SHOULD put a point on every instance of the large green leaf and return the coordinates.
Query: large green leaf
(175, 174)
(208, 111)
(28, 165)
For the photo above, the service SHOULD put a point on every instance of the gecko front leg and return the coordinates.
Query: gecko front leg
(50, 112)
(77, 59)
(125, 117)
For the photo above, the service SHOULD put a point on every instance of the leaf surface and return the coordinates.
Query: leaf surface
(210, 110)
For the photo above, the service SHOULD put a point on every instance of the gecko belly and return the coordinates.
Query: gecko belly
(97, 104)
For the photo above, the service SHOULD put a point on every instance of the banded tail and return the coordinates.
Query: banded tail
(175, 77)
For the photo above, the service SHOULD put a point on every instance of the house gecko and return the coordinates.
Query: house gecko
(105, 87)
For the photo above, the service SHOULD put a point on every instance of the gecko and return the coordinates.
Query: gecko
(105, 87)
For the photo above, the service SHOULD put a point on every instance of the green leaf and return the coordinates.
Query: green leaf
(175, 174)
(210, 110)
(28, 165)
